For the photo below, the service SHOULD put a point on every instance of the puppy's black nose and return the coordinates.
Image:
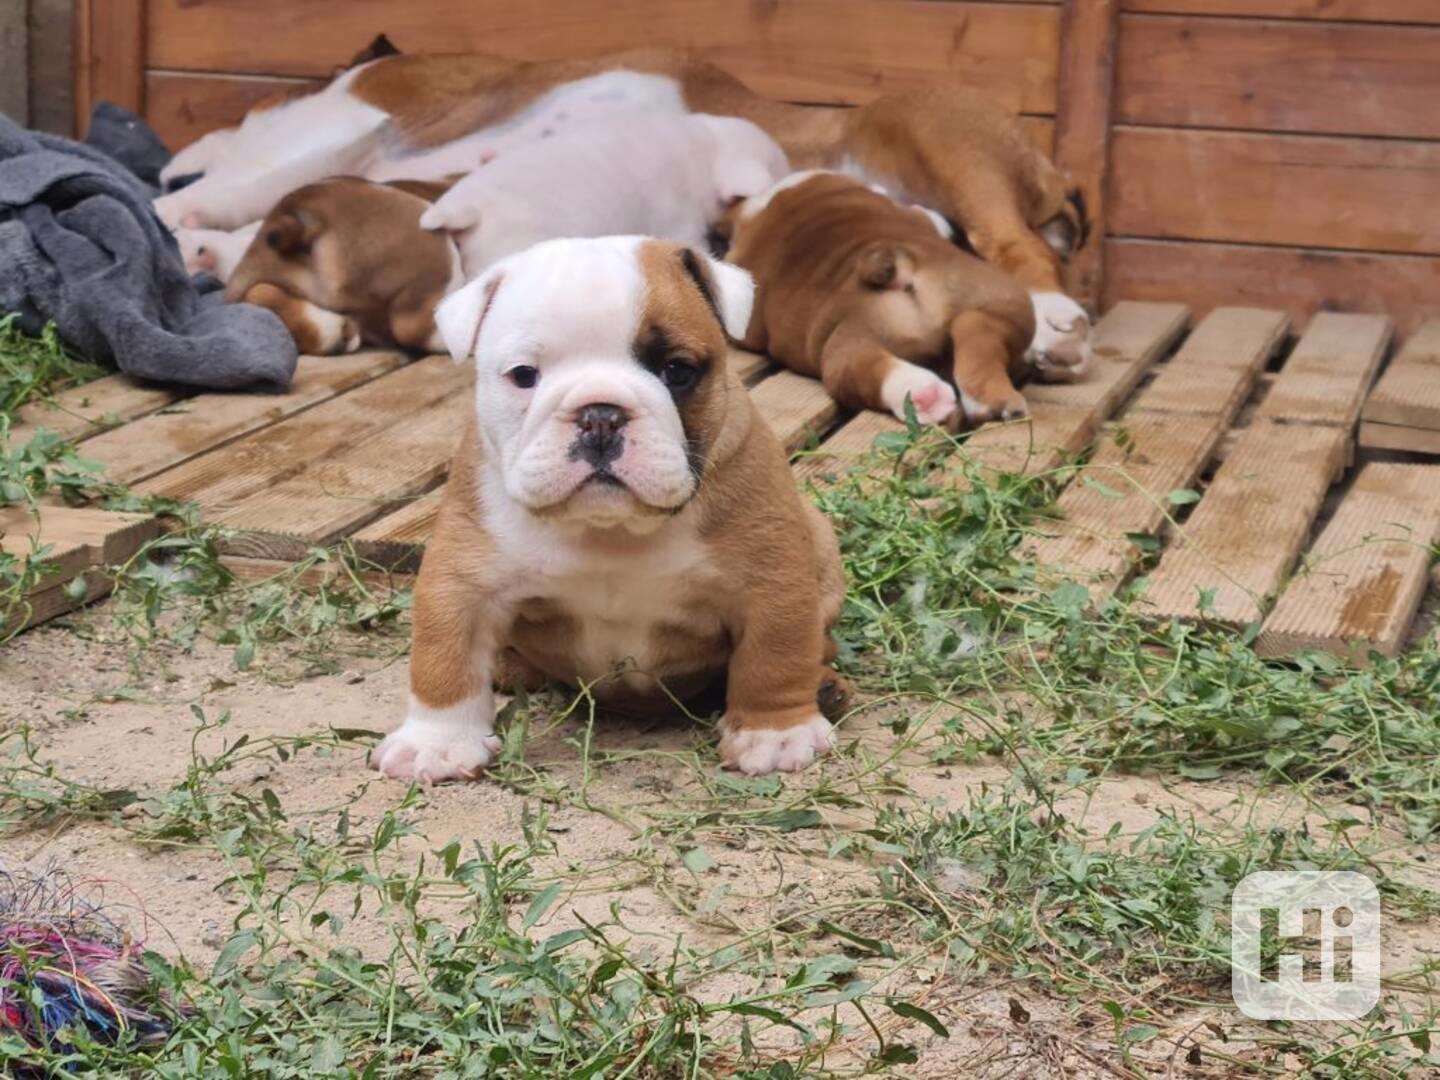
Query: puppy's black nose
(600, 440)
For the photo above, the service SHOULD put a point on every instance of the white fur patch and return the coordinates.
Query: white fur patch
(214, 251)
(336, 334)
(933, 397)
(759, 751)
(1060, 350)
(755, 204)
(433, 745)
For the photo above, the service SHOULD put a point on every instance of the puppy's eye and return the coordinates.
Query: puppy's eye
(679, 376)
(523, 375)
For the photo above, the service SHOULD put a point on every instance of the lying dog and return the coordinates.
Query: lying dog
(666, 176)
(944, 147)
(868, 295)
(344, 262)
(618, 513)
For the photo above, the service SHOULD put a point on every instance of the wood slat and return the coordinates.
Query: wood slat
(1090, 31)
(1298, 281)
(1247, 530)
(250, 571)
(1395, 437)
(1127, 343)
(797, 408)
(398, 539)
(1216, 368)
(1415, 11)
(1363, 579)
(171, 437)
(1408, 393)
(1364, 194)
(109, 56)
(824, 51)
(1329, 372)
(84, 411)
(1334, 78)
(181, 106)
(335, 495)
(226, 477)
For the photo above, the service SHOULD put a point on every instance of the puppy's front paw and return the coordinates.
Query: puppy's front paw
(933, 397)
(432, 751)
(1060, 350)
(757, 751)
(1007, 404)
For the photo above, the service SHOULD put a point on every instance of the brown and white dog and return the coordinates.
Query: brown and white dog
(869, 296)
(345, 262)
(619, 515)
(425, 117)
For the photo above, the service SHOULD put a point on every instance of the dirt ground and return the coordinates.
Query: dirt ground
(98, 722)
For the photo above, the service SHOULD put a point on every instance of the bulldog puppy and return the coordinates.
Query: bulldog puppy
(214, 251)
(669, 176)
(344, 262)
(618, 515)
(872, 296)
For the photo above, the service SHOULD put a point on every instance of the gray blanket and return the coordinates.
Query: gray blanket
(80, 245)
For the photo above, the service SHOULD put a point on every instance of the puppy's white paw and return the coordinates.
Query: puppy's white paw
(978, 412)
(1060, 350)
(434, 750)
(759, 751)
(933, 397)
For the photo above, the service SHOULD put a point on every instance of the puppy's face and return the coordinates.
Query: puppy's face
(600, 373)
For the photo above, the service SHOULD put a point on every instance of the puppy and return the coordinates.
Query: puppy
(666, 176)
(214, 251)
(344, 262)
(869, 296)
(619, 515)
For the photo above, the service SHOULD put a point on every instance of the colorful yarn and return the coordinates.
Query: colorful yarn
(65, 966)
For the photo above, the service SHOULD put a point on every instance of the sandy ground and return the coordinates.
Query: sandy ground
(99, 722)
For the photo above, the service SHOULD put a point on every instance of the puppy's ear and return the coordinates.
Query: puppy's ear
(729, 290)
(461, 315)
(293, 232)
(886, 267)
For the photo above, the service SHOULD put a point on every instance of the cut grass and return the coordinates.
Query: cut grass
(963, 660)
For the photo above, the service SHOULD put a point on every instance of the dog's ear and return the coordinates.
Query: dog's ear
(378, 49)
(293, 232)
(886, 267)
(461, 315)
(729, 290)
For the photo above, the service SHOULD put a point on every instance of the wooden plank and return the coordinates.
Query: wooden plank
(797, 408)
(1361, 583)
(52, 66)
(171, 437)
(1247, 530)
(332, 497)
(1120, 493)
(181, 107)
(823, 51)
(1408, 393)
(1051, 436)
(109, 56)
(1216, 368)
(749, 367)
(1334, 78)
(53, 601)
(1356, 194)
(226, 477)
(84, 411)
(1329, 372)
(1298, 281)
(249, 571)
(1090, 30)
(1394, 437)
(14, 62)
(1390, 11)
(1127, 343)
(398, 539)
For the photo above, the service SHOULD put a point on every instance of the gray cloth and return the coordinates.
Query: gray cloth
(120, 134)
(80, 245)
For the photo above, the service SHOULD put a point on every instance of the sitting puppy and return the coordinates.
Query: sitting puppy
(344, 262)
(870, 295)
(618, 514)
(653, 174)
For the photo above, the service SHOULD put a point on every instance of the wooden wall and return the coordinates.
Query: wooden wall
(1271, 152)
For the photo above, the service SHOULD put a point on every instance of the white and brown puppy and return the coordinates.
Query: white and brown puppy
(669, 176)
(618, 515)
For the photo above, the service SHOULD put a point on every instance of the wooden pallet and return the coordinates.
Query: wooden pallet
(359, 447)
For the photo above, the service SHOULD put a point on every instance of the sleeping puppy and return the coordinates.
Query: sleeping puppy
(344, 262)
(869, 296)
(618, 515)
(670, 176)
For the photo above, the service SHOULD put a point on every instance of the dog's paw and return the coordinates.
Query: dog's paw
(933, 397)
(433, 751)
(1005, 406)
(1060, 351)
(757, 751)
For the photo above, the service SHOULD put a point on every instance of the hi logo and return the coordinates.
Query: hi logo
(1323, 956)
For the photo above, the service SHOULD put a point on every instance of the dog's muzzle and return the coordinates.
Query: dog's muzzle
(601, 437)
